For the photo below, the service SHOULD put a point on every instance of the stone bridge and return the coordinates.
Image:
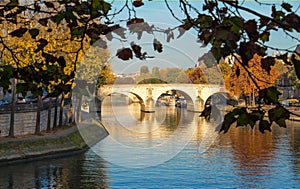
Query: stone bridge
(147, 94)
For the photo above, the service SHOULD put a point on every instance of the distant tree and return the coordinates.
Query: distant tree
(151, 81)
(241, 83)
(105, 77)
(155, 72)
(170, 74)
(144, 70)
(124, 80)
(196, 75)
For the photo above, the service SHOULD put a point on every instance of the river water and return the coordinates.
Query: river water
(172, 148)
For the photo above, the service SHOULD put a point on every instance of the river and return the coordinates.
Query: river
(171, 148)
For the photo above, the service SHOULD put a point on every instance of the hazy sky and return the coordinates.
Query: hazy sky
(185, 51)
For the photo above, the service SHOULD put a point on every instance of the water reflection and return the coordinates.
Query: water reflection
(62, 173)
(152, 140)
(132, 127)
(242, 158)
(294, 141)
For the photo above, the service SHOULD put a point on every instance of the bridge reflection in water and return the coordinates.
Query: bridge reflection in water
(242, 158)
(154, 137)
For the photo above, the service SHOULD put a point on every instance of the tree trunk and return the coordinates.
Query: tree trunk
(55, 113)
(49, 115)
(38, 116)
(61, 111)
(78, 110)
(71, 113)
(98, 107)
(12, 112)
(253, 97)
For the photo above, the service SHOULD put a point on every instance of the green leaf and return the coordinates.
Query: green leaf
(19, 32)
(229, 119)
(279, 115)
(236, 24)
(12, 4)
(264, 125)
(58, 18)
(22, 88)
(265, 36)
(288, 7)
(105, 7)
(242, 120)
(206, 36)
(100, 6)
(77, 32)
(269, 95)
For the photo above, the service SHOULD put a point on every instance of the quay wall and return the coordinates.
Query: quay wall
(25, 118)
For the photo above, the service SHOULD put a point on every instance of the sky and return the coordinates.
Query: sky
(185, 51)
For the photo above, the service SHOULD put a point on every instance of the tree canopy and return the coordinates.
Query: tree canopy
(58, 33)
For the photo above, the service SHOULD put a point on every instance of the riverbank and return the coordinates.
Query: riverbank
(57, 143)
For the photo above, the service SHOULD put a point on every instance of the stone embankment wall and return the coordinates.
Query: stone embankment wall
(63, 142)
(25, 118)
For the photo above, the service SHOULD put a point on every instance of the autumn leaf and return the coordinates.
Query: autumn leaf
(288, 7)
(124, 53)
(296, 62)
(43, 21)
(138, 3)
(157, 46)
(251, 29)
(135, 21)
(267, 62)
(137, 50)
(293, 20)
(183, 28)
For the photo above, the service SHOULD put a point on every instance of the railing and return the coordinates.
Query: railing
(32, 107)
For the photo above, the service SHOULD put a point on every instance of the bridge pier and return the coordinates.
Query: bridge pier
(197, 106)
(148, 106)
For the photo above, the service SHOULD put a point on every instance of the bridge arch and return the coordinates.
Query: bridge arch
(221, 98)
(132, 98)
